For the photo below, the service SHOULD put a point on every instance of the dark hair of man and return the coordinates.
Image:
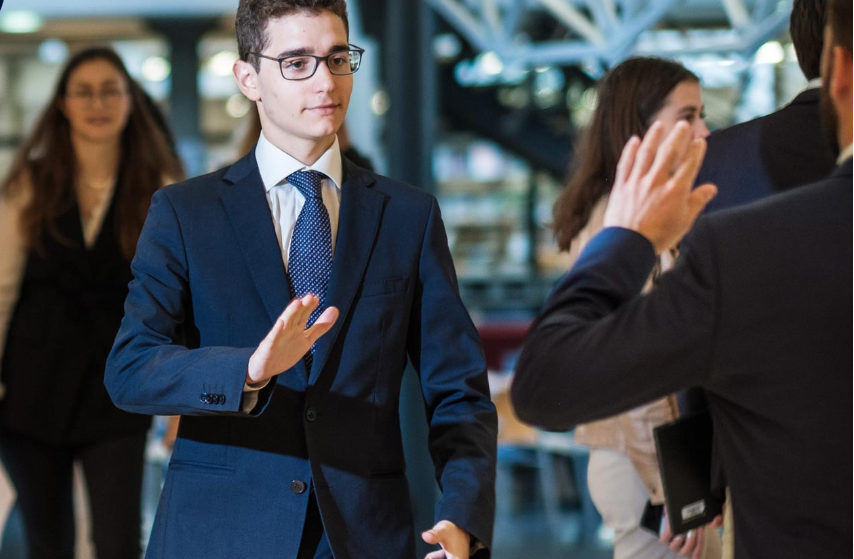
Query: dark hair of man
(806, 27)
(250, 24)
(46, 163)
(839, 18)
(629, 96)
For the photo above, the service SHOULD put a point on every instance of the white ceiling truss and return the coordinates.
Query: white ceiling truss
(601, 33)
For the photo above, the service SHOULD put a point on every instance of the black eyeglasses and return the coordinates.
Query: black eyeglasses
(303, 66)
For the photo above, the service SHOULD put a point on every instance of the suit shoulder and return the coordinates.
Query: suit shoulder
(828, 200)
(402, 191)
(195, 189)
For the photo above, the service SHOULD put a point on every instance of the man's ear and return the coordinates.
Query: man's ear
(840, 71)
(247, 80)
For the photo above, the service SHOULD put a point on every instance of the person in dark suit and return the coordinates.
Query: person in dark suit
(756, 311)
(70, 215)
(785, 149)
(289, 443)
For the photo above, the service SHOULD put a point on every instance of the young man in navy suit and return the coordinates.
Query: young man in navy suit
(290, 443)
(756, 312)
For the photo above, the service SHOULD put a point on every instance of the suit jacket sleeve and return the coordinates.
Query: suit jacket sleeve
(445, 349)
(150, 369)
(599, 348)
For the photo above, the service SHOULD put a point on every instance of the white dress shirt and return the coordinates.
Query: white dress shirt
(286, 202)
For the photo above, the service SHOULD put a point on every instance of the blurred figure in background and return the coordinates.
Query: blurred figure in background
(623, 471)
(71, 212)
(782, 150)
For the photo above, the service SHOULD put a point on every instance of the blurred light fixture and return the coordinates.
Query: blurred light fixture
(222, 62)
(20, 21)
(447, 47)
(380, 103)
(516, 97)
(237, 106)
(490, 63)
(156, 69)
(53, 51)
(770, 53)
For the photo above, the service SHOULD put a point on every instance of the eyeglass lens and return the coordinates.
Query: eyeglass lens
(339, 64)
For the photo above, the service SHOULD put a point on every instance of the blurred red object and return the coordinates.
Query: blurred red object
(501, 339)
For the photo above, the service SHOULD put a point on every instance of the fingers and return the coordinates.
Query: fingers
(689, 165)
(698, 549)
(431, 537)
(671, 152)
(646, 152)
(440, 554)
(684, 544)
(323, 324)
(627, 161)
(298, 311)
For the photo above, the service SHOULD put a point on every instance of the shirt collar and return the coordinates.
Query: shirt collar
(846, 154)
(815, 82)
(275, 165)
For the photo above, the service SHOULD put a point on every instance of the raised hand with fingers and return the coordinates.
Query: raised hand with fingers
(652, 192)
(289, 340)
(455, 542)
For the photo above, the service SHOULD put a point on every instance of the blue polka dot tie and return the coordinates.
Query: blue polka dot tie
(310, 254)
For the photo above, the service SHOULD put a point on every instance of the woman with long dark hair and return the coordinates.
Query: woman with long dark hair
(623, 472)
(71, 211)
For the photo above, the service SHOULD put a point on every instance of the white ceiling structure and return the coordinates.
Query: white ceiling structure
(599, 33)
(604, 32)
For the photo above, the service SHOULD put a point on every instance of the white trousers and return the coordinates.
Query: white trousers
(620, 497)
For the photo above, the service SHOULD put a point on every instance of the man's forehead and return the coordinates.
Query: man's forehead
(299, 31)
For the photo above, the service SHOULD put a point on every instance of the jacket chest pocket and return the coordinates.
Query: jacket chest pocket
(384, 286)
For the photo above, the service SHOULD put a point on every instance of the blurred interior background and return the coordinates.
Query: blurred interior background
(477, 101)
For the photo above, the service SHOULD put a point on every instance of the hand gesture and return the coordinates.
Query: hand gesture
(289, 340)
(691, 543)
(652, 192)
(455, 541)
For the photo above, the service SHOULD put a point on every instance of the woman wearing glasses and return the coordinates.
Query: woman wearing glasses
(71, 211)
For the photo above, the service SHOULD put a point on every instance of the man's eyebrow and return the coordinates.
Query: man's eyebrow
(303, 51)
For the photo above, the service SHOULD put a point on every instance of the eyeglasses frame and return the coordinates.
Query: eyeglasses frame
(318, 59)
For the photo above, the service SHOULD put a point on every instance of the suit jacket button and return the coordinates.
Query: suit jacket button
(311, 414)
(205, 398)
(298, 486)
(216, 398)
(222, 399)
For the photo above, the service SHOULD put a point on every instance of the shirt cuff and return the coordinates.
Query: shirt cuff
(250, 395)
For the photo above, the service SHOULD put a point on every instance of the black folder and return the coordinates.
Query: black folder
(684, 451)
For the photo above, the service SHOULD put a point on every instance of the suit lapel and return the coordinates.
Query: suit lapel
(249, 214)
(358, 223)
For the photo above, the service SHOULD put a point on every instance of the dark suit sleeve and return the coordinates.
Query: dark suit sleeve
(599, 348)
(150, 370)
(445, 349)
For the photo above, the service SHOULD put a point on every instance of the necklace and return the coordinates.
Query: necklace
(99, 185)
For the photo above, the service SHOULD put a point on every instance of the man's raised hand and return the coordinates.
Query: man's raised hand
(653, 193)
(289, 340)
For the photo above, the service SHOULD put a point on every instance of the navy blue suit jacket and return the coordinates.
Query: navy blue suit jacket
(209, 282)
(757, 312)
(768, 155)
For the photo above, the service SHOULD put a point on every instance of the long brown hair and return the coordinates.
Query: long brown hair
(46, 163)
(629, 97)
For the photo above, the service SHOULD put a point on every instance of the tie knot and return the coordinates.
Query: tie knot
(307, 182)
